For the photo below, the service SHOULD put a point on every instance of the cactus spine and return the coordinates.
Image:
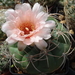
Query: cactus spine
(34, 61)
(4, 56)
(44, 2)
(69, 9)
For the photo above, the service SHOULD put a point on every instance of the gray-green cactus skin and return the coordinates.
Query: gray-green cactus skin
(34, 61)
(69, 9)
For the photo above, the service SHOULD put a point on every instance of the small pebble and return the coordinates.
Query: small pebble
(71, 31)
(61, 17)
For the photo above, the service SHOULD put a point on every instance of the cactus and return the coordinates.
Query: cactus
(61, 2)
(34, 61)
(7, 3)
(4, 57)
(2, 20)
(44, 2)
(69, 9)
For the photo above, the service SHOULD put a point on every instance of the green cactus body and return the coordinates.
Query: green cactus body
(34, 61)
(69, 9)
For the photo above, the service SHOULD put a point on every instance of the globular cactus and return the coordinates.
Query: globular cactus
(7, 3)
(4, 57)
(35, 61)
(44, 2)
(2, 20)
(69, 9)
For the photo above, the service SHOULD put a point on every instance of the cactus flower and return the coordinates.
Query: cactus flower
(27, 25)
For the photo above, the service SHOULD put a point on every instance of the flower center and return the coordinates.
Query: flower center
(27, 27)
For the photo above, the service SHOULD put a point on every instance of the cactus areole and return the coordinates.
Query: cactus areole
(35, 44)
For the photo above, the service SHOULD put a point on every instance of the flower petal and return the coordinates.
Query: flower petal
(7, 26)
(43, 33)
(41, 44)
(23, 7)
(36, 38)
(37, 8)
(11, 41)
(10, 14)
(21, 46)
(27, 41)
(42, 16)
(9, 11)
(50, 24)
(15, 34)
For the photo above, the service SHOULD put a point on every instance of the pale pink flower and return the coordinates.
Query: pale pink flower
(27, 26)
